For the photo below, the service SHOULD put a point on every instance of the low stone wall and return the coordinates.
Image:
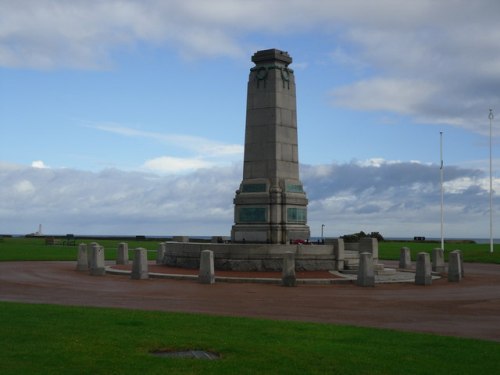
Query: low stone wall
(255, 257)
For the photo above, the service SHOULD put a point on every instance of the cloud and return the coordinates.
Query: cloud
(436, 62)
(206, 152)
(395, 198)
(200, 145)
(168, 164)
(38, 164)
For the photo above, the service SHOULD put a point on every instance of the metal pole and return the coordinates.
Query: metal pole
(490, 116)
(442, 191)
(322, 226)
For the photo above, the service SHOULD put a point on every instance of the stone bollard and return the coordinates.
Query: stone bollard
(366, 272)
(97, 263)
(455, 266)
(90, 246)
(206, 274)
(82, 263)
(404, 258)
(438, 260)
(122, 254)
(140, 264)
(339, 253)
(162, 247)
(462, 273)
(423, 274)
(288, 277)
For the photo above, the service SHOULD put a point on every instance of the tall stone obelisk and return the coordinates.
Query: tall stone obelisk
(271, 205)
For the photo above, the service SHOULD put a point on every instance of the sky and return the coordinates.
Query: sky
(127, 116)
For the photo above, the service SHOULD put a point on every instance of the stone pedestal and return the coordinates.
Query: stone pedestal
(140, 264)
(270, 204)
(423, 274)
(366, 272)
(438, 260)
(404, 258)
(162, 247)
(206, 274)
(288, 275)
(455, 266)
(122, 253)
(97, 263)
(82, 263)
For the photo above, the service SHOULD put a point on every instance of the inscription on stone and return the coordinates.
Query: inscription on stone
(252, 215)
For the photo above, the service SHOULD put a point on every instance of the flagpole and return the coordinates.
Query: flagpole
(442, 192)
(491, 116)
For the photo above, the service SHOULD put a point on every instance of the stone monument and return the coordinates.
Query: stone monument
(270, 206)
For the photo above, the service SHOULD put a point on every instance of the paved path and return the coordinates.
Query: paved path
(470, 308)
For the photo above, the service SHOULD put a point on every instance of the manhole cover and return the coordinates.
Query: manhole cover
(197, 354)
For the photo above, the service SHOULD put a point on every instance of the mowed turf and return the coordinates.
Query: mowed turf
(14, 249)
(46, 339)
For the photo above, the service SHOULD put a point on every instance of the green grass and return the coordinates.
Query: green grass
(472, 252)
(15, 249)
(20, 248)
(46, 339)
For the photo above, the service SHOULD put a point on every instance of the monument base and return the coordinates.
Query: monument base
(275, 234)
(255, 257)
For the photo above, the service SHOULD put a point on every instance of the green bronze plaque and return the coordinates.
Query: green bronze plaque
(297, 215)
(252, 215)
(291, 188)
(253, 188)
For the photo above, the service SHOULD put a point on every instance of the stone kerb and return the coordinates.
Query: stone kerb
(82, 263)
(206, 273)
(405, 258)
(455, 266)
(423, 274)
(438, 260)
(140, 264)
(288, 277)
(366, 272)
(97, 264)
(122, 254)
(162, 247)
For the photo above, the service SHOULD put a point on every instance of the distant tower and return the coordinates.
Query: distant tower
(271, 205)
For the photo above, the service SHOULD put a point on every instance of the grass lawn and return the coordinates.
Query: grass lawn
(479, 253)
(12, 249)
(46, 339)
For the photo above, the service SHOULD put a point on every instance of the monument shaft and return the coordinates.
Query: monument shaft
(271, 205)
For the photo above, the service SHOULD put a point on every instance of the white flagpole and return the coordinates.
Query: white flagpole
(490, 116)
(442, 192)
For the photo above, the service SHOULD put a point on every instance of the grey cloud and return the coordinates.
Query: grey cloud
(398, 199)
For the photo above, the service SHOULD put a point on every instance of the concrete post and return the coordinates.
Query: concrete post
(90, 246)
(454, 266)
(339, 253)
(366, 272)
(288, 277)
(405, 258)
(162, 247)
(423, 275)
(122, 254)
(97, 268)
(82, 260)
(140, 264)
(461, 263)
(438, 260)
(370, 245)
(206, 273)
